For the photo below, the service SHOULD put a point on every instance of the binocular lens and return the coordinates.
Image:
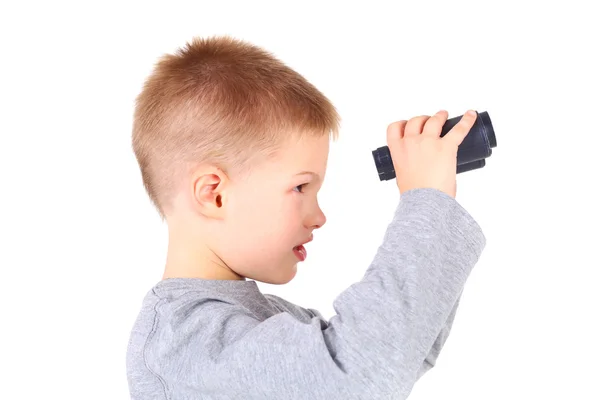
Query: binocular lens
(472, 152)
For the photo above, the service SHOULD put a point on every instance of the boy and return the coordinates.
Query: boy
(233, 147)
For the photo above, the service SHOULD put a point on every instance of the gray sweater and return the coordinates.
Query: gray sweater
(224, 339)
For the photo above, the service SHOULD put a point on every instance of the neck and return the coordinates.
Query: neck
(194, 259)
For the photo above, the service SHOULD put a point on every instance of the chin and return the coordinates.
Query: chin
(284, 276)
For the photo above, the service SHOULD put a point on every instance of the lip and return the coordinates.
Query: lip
(309, 240)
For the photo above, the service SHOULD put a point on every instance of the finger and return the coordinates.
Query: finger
(433, 126)
(458, 133)
(415, 125)
(395, 130)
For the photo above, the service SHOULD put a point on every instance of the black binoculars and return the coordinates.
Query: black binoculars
(472, 152)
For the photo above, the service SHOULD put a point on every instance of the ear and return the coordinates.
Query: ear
(208, 191)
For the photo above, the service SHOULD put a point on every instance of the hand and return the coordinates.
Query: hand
(423, 159)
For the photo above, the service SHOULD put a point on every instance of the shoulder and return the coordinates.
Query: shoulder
(304, 314)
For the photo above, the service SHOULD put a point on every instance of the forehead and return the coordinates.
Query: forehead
(305, 154)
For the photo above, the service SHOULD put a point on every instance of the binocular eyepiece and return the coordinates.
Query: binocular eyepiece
(472, 152)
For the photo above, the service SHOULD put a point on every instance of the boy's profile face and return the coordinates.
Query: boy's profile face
(261, 220)
(273, 211)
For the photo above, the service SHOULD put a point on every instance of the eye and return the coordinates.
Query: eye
(300, 186)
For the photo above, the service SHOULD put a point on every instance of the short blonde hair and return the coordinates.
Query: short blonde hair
(224, 102)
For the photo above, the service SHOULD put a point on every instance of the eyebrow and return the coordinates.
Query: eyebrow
(309, 173)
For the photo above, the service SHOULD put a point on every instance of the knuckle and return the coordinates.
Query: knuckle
(394, 127)
(420, 118)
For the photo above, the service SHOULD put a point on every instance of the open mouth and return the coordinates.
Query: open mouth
(300, 252)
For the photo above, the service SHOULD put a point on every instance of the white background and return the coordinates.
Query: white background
(81, 245)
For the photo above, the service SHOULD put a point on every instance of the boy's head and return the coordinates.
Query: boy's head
(221, 128)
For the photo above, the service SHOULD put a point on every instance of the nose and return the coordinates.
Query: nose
(318, 219)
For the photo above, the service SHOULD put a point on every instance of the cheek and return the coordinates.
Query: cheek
(252, 214)
(259, 216)
(241, 217)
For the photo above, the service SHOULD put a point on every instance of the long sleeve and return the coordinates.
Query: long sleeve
(387, 330)
(430, 360)
(438, 344)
